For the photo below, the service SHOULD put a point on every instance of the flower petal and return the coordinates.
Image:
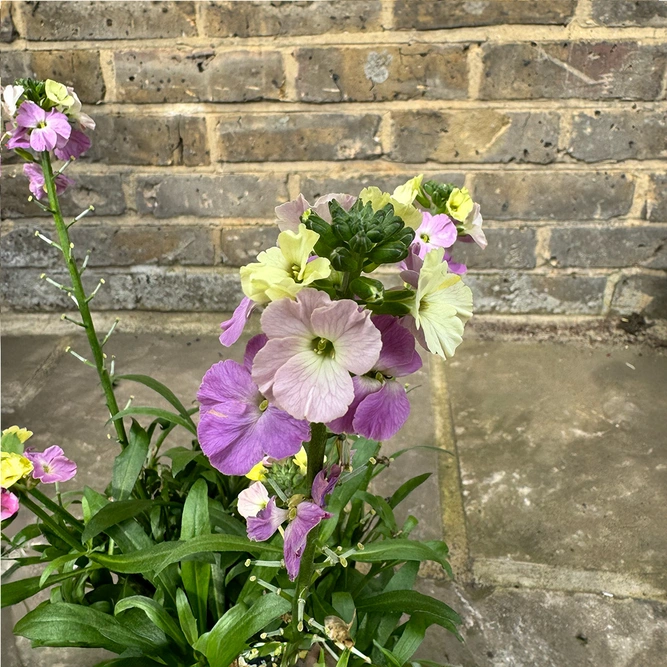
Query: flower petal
(265, 524)
(233, 328)
(289, 214)
(230, 384)
(252, 500)
(292, 318)
(363, 386)
(275, 354)
(308, 515)
(281, 435)
(313, 387)
(398, 356)
(324, 483)
(9, 504)
(383, 413)
(254, 345)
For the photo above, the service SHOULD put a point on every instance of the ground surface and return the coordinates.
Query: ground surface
(551, 492)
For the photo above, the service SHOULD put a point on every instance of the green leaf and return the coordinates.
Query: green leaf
(412, 602)
(196, 576)
(411, 639)
(343, 603)
(22, 589)
(230, 634)
(382, 509)
(113, 514)
(55, 564)
(396, 549)
(130, 662)
(180, 457)
(10, 442)
(128, 464)
(159, 556)
(344, 658)
(403, 491)
(157, 614)
(223, 520)
(156, 412)
(391, 659)
(186, 618)
(161, 389)
(64, 624)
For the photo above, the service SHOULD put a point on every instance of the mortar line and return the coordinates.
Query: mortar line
(449, 474)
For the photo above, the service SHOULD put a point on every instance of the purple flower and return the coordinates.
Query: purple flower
(266, 521)
(314, 344)
(19, 137)
(435, 231)
(233, 328)
(381, 406)
(308, 516)
(37, 184)
(454, 267)
(49, 129)
(77, 145)
(324, 483)
(51, 465)
(238, 426)
(9, 504)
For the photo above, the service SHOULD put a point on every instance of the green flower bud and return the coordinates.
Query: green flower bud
(368, 289)
(342, 260)
(360, 243)
(389, 253)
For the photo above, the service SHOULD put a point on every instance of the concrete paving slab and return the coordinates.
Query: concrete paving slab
(563, 455)
(506, 627)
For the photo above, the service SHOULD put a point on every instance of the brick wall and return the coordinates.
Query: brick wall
(210, 114)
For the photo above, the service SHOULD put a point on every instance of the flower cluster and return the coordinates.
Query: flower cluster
(336, 341)
(17, 463)
(44, 116)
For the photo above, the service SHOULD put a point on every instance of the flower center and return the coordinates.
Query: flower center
(297, 273)
(425, 238)
(324, 347)
(46, 468)
(263, 405)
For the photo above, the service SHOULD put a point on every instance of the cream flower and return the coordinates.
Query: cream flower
(285, 270)
(402, 199)
(442, 305)
(12, 468)
(58, 94)
(459, 205)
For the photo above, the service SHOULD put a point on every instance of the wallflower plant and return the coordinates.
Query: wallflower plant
(261, 538)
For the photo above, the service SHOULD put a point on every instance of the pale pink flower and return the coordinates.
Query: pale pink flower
(313, 345)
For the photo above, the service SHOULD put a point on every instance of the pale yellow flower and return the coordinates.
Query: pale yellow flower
(459, 205)
(301, 461)
(12, 468)
(58, 94)
(442, 305)
(402, 199)
(285, 270)
(257, 473)
(22, 434)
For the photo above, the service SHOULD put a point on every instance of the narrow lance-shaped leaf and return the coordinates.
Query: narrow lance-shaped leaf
(196, 575)
(128, 464)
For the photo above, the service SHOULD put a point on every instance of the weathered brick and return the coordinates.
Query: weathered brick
(642, 293)
(589, 70)
(298, 136)
(623, 13)
(437, 14)
(315, 185)
(105, 193)
(264, 19)
(219, 196)
(618, 135)
(241, 245)
(7, 29)
(514, 292)
(188, 290)
(479, 135)
(186, 75)
(149, 139)
(541, 195)
(77, 68)
(23, 290)
(112, 245)
(509, 248)
(76, 19)
(347, 74)
(615, 247)
(655, 209)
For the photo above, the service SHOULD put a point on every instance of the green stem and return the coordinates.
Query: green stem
(57, 509)
(316, 448)
(80, 295)
(48, 521)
